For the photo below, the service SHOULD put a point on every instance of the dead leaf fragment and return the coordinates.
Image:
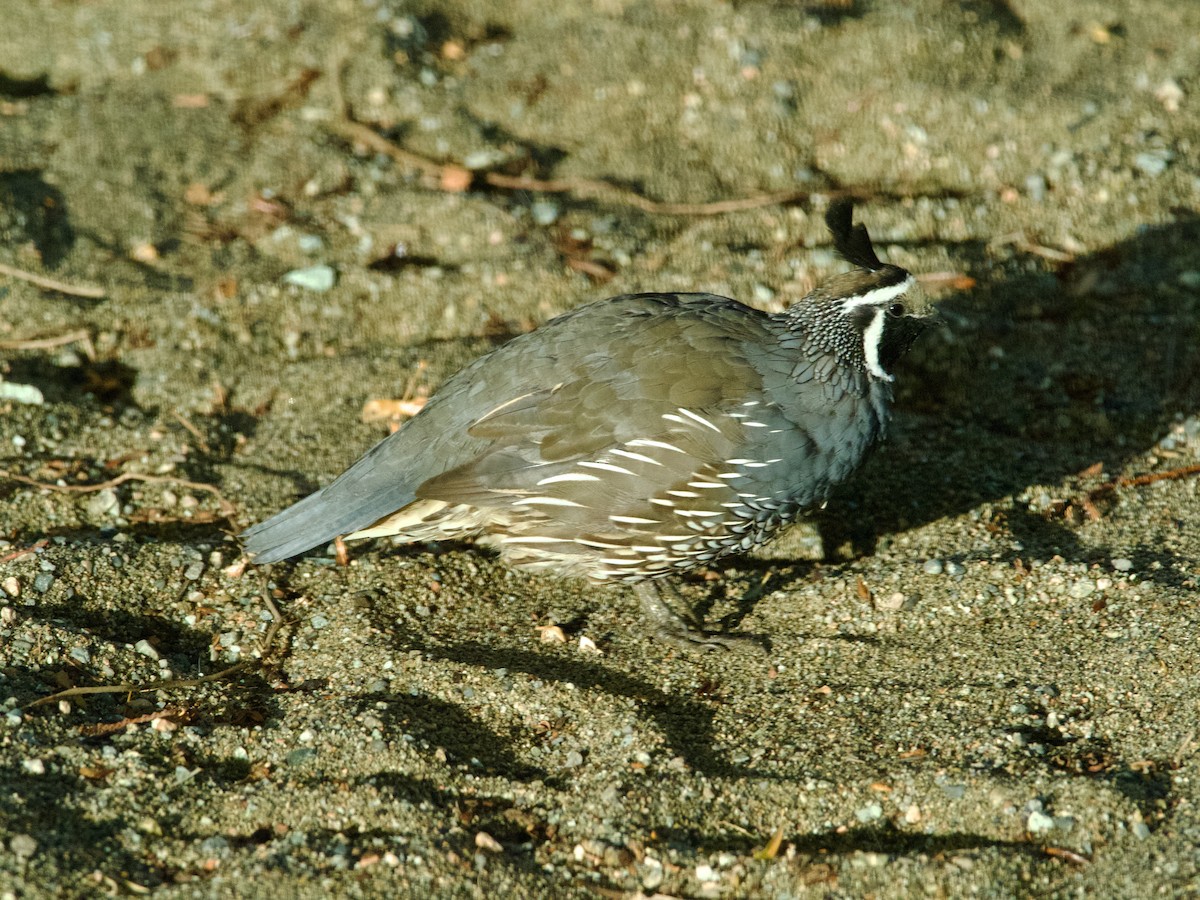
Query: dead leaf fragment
(381, 410)
(772, 849)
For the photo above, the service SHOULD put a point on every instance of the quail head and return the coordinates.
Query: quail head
(636, 438)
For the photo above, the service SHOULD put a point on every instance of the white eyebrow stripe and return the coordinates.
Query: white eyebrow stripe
(879, 296)
(638, 456)
(699, 418)
(569, 476)
(545, 501)
(607, 467)
(643, 442)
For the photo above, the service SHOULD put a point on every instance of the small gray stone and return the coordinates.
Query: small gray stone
(933, 567)
(1082, 588)
(869, 813)
(194, 571)
(300, 756)
(310, 243)
(21, 393)
(1153, 162)
(574, 759)
(42, 582)
(217, 845)
(955, 569)
(319, 621)
(145, 648)
(104, 503)
(954, 791)
(1122, 565)
(81, 654)
(22, 846)
(1038, 822)
(312, 278)
(544, 212)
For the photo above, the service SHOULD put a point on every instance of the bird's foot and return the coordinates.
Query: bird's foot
(675, 629)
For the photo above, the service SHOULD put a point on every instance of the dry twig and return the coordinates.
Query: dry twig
(170, 684)
(49, 284)
(24, 551)
(227, 508)
(71, 337)
(1088, 502)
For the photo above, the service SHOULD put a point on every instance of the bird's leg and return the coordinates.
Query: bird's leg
(670, 626)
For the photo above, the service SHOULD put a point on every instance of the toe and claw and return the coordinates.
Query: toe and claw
(682, 631)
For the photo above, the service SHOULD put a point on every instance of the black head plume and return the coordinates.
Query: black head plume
(851, 241)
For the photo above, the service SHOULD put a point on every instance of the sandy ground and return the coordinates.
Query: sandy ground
(986, 686)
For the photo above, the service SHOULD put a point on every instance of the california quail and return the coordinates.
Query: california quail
(637, 437)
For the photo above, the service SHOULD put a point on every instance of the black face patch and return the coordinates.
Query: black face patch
(861, 317)
(898, 336)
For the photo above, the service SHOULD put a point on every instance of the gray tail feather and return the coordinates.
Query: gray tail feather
(361, 496)
(300, 527)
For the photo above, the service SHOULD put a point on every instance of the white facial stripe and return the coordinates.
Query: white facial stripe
(872, 335)
(879, 296)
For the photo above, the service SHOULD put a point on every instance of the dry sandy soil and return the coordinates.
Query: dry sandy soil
(983, 667)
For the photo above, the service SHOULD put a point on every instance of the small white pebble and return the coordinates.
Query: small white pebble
(1038, 822)
(485, 841)
(34, 766)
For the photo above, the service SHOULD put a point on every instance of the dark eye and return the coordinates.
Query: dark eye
(896, 309)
